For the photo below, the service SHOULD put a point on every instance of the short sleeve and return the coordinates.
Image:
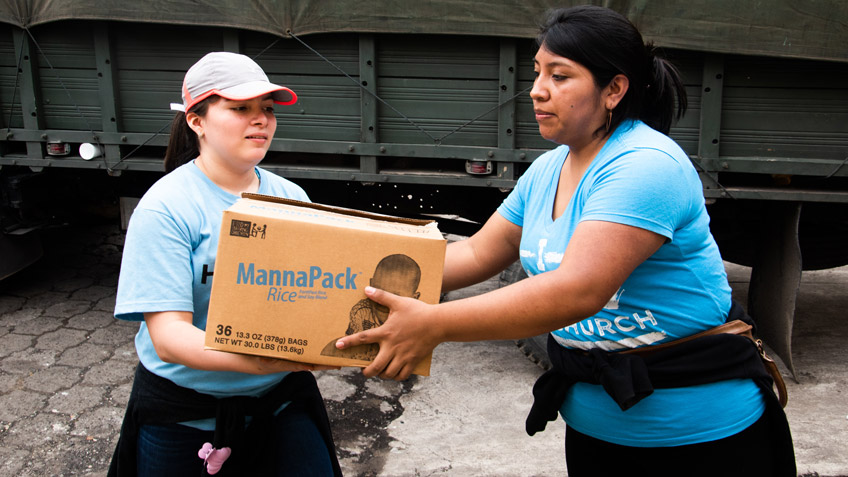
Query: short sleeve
(156, 272)
(646, 188)
(512, 208)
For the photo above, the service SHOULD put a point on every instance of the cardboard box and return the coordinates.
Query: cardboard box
(289, 278)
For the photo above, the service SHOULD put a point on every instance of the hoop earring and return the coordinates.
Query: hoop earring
(609, 119)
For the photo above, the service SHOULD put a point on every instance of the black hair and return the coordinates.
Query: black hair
(608, 44)
(183, 145)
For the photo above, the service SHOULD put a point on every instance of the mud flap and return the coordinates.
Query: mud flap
(776, 278)
(18, 251)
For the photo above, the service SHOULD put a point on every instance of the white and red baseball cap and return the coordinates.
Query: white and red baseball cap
(231, 76)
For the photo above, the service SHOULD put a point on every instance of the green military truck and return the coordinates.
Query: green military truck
(413, 108)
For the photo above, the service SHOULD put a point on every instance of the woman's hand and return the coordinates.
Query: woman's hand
(405, 338)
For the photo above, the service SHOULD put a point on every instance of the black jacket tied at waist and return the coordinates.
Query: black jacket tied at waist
(629, 378)
(156, 400)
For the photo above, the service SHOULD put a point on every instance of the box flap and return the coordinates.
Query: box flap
(336, 210)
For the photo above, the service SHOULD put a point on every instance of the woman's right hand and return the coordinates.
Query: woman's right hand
(405, 338)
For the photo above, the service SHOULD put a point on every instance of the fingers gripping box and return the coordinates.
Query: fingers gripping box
(289, 278)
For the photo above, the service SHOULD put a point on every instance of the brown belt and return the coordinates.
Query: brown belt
(735, 327)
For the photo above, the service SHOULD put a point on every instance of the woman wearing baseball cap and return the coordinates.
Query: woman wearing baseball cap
(193, 410)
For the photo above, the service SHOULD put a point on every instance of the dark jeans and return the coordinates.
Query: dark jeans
(746, 454)
(297, 450)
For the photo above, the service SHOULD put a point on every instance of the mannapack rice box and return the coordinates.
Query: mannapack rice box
(289, 278)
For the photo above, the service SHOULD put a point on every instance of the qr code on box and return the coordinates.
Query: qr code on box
(240, 228)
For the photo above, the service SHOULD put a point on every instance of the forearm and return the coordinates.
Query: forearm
(463, 267)
(183, 343)
(527, 308)
(482, 256)
(178, 341)
(598, 260)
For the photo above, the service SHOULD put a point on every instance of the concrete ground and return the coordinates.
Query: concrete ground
(66, 368)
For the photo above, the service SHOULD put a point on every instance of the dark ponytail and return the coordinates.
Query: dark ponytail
(607, 44)
(183, 145)
(658, 110)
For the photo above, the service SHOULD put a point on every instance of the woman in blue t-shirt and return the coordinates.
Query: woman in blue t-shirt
(192, 409)
(612, 229)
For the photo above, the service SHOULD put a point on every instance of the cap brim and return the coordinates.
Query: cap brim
(254, 89)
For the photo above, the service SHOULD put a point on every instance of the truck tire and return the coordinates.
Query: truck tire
(534, 348)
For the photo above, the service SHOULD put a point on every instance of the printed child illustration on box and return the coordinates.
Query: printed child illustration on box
(398, 274)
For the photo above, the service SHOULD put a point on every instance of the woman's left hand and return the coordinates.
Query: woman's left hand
(404, 339)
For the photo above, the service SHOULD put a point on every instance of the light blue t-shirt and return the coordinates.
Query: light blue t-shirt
(643, 179)
(168, 262)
